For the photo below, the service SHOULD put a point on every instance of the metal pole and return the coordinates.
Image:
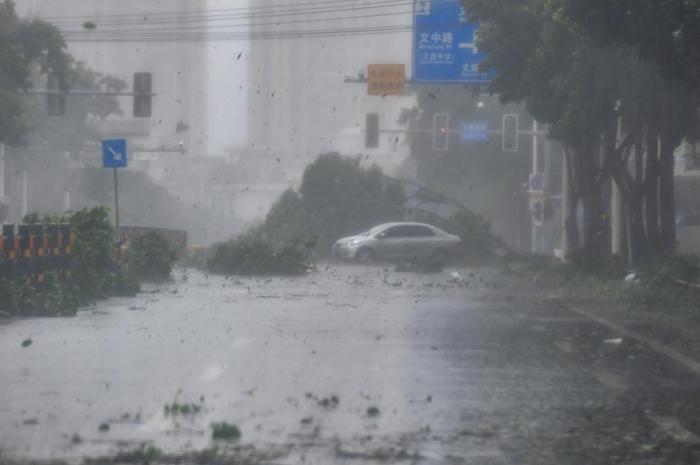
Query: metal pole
(616, 208)
(535, 230)
(564, 204)
(116, 200)
(535, 149)
(2, 171)
(25, 187)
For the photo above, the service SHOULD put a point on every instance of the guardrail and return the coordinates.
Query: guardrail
(33, 250)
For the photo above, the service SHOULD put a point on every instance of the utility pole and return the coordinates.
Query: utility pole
(565, 246)
(536, 229)
(2, 171)
(25, 193)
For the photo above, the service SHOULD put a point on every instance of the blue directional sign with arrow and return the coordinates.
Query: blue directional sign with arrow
(444, 44)
(114, 153)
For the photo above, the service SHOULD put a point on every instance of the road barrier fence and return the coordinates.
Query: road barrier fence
(33, 250)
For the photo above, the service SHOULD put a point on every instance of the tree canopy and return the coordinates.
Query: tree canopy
(26, 47)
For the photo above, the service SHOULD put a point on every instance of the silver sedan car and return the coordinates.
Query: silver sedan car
(398, 241)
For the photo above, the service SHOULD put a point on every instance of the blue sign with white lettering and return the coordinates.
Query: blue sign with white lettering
(444, 44)
(475, 131)
(114, 153)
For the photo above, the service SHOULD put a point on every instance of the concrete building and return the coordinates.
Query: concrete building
(298, 103)
(113, 38)
(96, 31)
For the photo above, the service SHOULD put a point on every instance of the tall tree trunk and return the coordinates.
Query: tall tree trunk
(635, 212)
(594, 244)
(667, 204)
(651, 191)
(635, 215)
(572, 200)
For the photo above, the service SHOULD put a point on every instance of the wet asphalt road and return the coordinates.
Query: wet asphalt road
(461, 373)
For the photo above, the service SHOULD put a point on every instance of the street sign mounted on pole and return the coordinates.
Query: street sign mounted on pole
(475, 131)
(444, 44)
(114, 156)
(114, 153)
(386, 79)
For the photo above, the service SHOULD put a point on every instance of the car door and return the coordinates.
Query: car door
(391, 242)
(419, 243)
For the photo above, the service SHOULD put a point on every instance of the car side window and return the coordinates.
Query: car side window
(397, 231)
(422, 231)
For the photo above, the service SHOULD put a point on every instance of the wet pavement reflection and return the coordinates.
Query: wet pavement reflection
(347, 364)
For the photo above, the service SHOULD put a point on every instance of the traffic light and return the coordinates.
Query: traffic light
(142, 94)
(441, 132)
(510, 133)
(372, 131)
(538, 214)
(55, 99)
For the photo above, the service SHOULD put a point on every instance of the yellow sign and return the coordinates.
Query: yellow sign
(386, 79)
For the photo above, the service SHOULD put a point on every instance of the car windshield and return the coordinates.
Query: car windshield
(373, 231)
(350, 232)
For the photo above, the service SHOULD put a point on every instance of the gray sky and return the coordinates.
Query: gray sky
(227, 101)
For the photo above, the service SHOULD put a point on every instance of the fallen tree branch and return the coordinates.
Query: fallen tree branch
(687, 284)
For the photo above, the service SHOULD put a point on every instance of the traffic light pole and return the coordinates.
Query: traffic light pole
(2, 171)
(88, 93)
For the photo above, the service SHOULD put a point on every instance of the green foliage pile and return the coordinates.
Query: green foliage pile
(253, 255)
(337, 196)
(672, 283)
(53, 298)
(340, 196)
(95, 270)
(478, 241)
(150, 257)
(225, 431)
(475, 231)
(286, 222)
(174, 409)
(95, 274)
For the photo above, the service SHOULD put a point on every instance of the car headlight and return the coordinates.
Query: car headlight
(353, 242)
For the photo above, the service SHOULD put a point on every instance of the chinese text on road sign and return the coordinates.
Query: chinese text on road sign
(475, 131)
(444, 44)
(386, 79)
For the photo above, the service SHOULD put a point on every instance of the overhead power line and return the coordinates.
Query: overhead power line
(218, 15)
(242, 36)
(215, 27)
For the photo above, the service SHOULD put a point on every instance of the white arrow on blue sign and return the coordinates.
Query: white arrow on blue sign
(444, 44)
(114, 153)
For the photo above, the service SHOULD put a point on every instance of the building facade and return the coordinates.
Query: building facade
(299, 104)
(111, 38)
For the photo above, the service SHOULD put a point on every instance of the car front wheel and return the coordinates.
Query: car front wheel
(365, 256)
(438, 257)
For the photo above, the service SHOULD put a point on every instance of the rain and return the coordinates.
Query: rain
(361, 231)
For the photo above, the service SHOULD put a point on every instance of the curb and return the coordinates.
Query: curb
(685, 361)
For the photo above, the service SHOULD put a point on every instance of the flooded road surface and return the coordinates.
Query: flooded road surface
(349, 364)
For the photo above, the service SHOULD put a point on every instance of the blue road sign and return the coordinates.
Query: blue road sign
(114, 153)
(444, 44)
(475, 131)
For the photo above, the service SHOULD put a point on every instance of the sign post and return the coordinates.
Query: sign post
(444, 44)
(114, 156)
